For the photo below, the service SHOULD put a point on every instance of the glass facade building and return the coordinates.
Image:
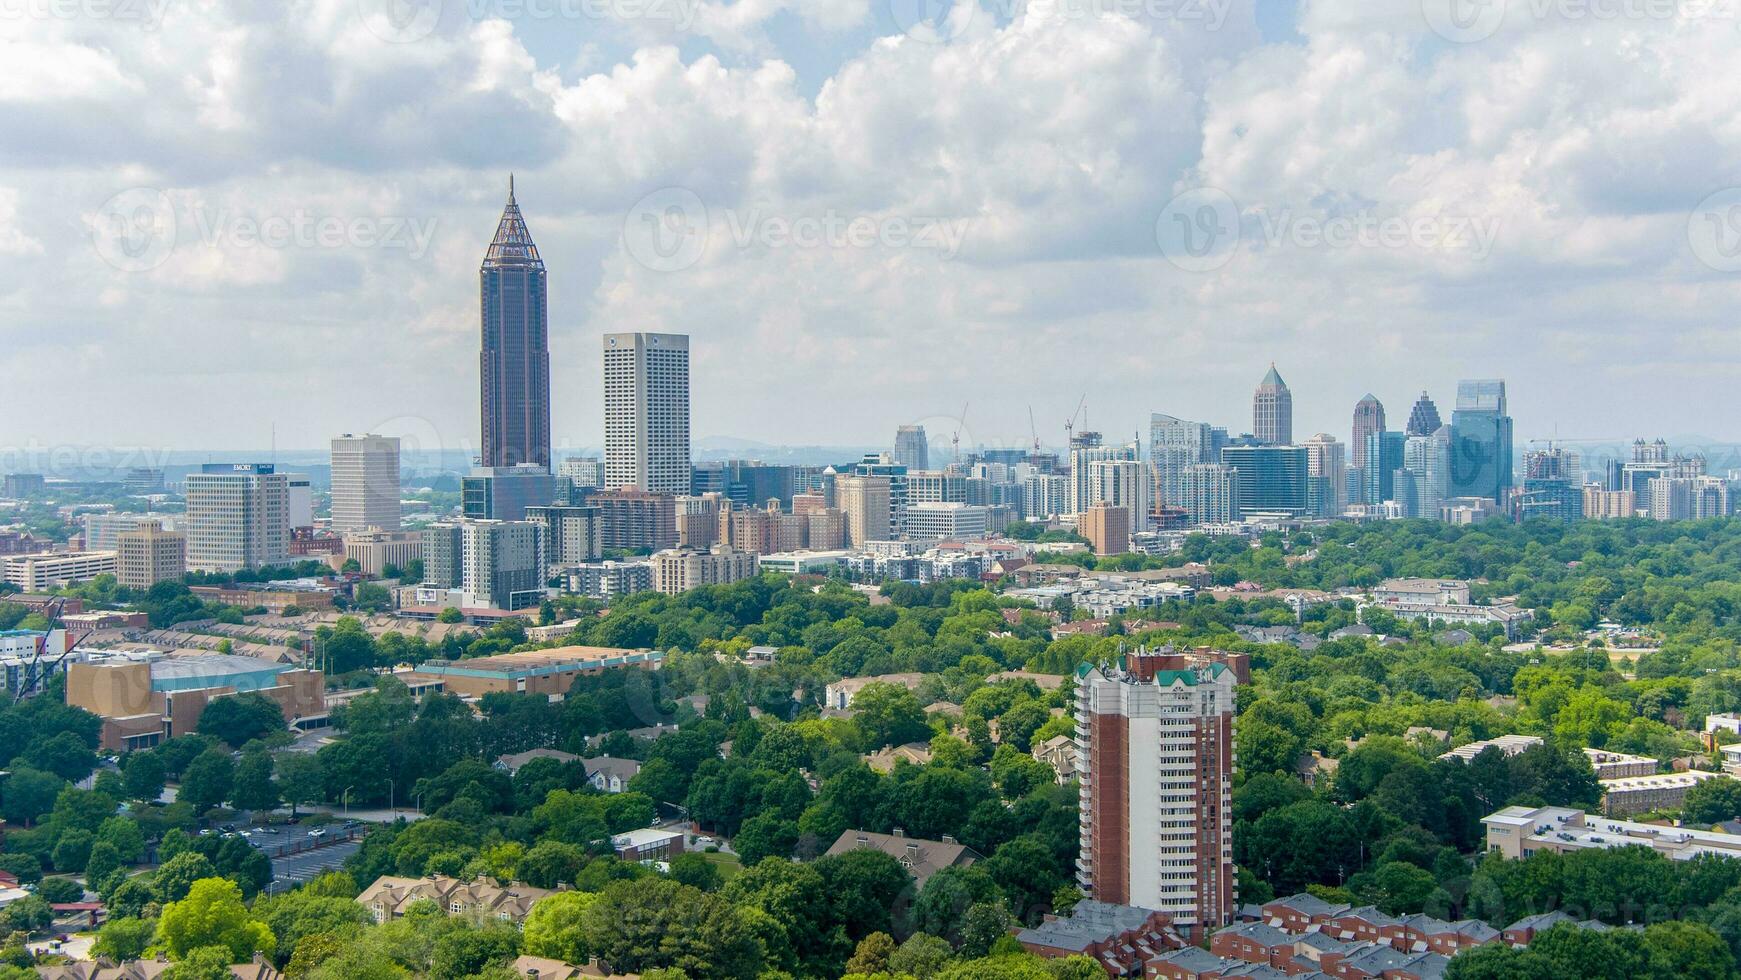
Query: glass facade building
(514, 365)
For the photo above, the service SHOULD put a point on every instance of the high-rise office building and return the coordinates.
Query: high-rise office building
(1107, 528)
(1423, 418)
(1155, 740)
(503, 493)
(365, 483)
(571, 535)
(1042, 496)
(299, 502)
(502, 564)
(1269, 479)
(1368, 418)
(912, 450)
(1384, 458)
(1272, 411)
(148, 554)
(1208, 494)
(865, 501)
(647, 412)
(582, 471)
(103, 530)
(1122, 483)
(238, 517)
(883, 465)
(1481, 442)
(514, 365)
(1327, 468)
(1427, 461)
(144, 480)
(1080, 494)
(1174, 444)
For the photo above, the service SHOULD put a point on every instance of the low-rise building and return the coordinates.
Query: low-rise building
(679, 570)
(1507, 744)
(1121, 938)
(1619, 765)
(1519, 831)
(147, 698)
(648, 844)
(921, 858)
(1059, 752)
(839, 694)
(275, 597)
(53, 570)
(548, 672)
(1656, 791)
(610, 775)
(606, 580)
(30, 657)
(485, 898)
(374, 549)
(511, 764)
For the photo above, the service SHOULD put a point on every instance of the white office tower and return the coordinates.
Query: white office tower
(1079, 496)
(1327, 469)
(238, 517)
(647, 412)
(1121, 483)
(583, 471)
(365, 483)
(1428, 462)
(912, 449)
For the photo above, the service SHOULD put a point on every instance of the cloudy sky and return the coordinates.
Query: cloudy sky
(221, 217)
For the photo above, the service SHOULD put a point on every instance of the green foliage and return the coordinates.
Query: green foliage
(212, 914)
(556, 927)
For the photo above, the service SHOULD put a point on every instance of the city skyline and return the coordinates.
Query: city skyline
(148, 265)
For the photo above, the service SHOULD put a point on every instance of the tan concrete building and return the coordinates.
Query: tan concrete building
(148, 554)
(375, 549)
(680, 570)
(1607, 505)
(1107, 528)
(865, 500)
(51, 570)
(634, 519)
(146, 700)
(547, 672)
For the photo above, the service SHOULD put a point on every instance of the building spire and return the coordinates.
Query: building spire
(510, 187)
(513, 242)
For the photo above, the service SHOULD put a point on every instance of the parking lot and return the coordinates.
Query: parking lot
(300, 852)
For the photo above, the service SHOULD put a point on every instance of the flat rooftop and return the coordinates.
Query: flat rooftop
(534, 662)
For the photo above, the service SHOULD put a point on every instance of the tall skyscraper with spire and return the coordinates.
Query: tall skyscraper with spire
(1272, 411)
(1424, 419)
(514, 365)
(1368, 418)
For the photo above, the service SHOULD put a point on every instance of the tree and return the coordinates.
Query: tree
(209, 780)
(212, 914)
(466, 952)
(300, 779)
(865, 888)
(64, 754)
(765, 835)
(1403, 888)
(651, 923)
(696, 871)
(56, 891)
(550, 863)
(29, 793)
(450, 615)
(872, 954)
(176, 878)
(254, 788)
(124, 939)
(124, 836)
(555, 927)
(1713, 801)
(241, 718)
(889, 714)
(204, 963)
(103, 861)
(922, 956)
(143, 776)
(29, 914)
(73, 850)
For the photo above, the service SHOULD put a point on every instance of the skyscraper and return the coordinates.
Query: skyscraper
(1079, 495)
(1270, 479)
(1481, 442)
(912, 450)
(238, 517)
(365, 483)
(1155, 760)
(865, 501)
(1327, 469)
(1427, 460)
(1174, 444)
(1423, 418)
(647, 412)
(1272, 411)
(1384, 457)
(1368, 418)
(1122, 483)
(515, 362)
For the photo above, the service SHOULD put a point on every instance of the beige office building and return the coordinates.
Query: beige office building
(1107, 528)
(865, 502)
(148, 555)
(679, 571)
(42, 572)
(365, 483)
(374, 550)
(238, 517)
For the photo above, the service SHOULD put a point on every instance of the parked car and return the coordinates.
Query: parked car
(317, 832)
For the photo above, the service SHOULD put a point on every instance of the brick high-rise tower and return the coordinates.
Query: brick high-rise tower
(1155, 758)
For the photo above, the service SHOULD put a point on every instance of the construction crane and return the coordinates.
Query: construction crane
(33, 674)
(1070, 424)
(1034, 431)
(955, 440)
